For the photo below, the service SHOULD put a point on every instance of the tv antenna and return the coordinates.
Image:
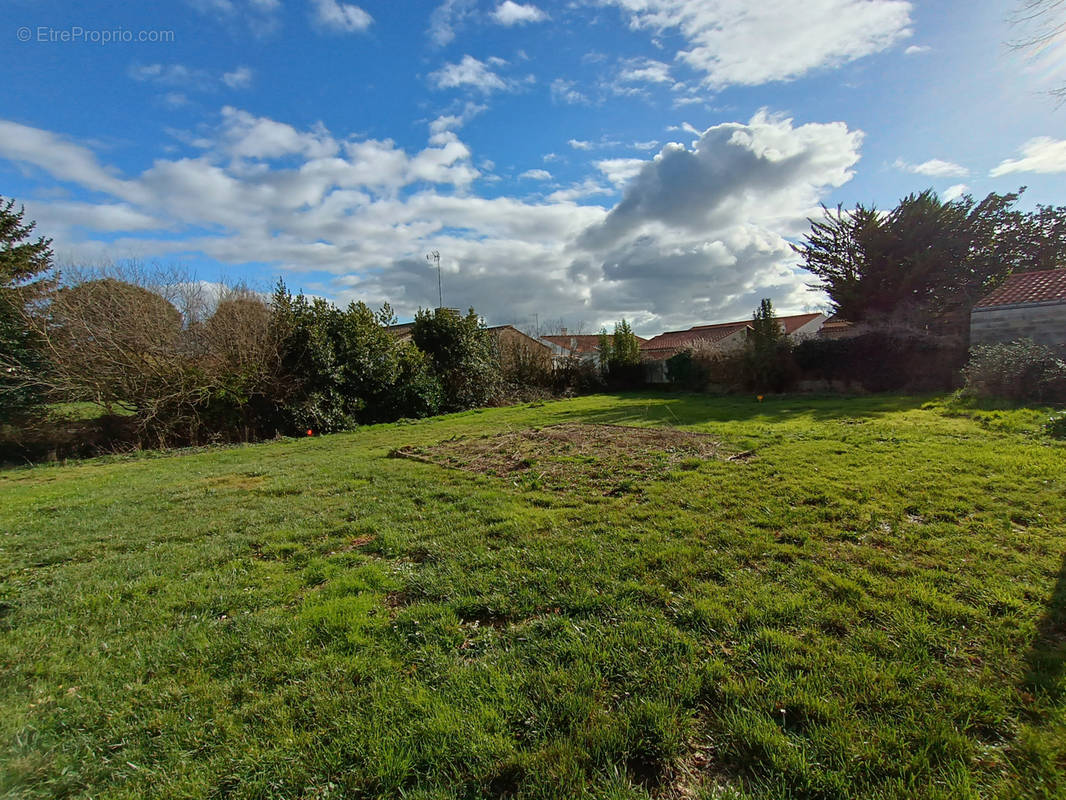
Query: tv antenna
(434, 257)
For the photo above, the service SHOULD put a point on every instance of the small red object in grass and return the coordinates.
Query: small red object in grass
(310, 432)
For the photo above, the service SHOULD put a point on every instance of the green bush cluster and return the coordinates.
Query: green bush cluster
(882, 361)
(619, 356)
(1022, 371)
(1055, 427)
(877, 361)
(342, 367)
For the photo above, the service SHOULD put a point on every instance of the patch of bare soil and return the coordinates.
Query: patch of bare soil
(615, 459)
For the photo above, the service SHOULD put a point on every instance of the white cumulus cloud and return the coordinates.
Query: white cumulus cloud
(955, 192)
(338, 17)
(512, 13)
(738, 42)
(1042, 154)
(700, 234)
(934, 167)
(469, 72)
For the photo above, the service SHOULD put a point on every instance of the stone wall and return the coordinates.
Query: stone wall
(1045, 324)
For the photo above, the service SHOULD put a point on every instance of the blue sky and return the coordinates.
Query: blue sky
(573, 162)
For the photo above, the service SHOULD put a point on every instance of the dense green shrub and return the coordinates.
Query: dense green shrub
(619, 356)
(574, 375)
(684, 370)
(767, 360)
(345, 367)
(1022, 371)
(1055, 427)
(881, 361)
(416, 391)
(462, 354)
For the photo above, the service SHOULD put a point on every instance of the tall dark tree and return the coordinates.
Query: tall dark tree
(927, 258)
(26, 278)
(767, 357)
(765, 328)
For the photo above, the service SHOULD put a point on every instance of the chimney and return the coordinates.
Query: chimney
(562, 331)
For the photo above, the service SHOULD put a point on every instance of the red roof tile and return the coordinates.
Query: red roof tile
(576, 342)
(1046, 286)
(795, 322)
(671, 342)
(674, 341)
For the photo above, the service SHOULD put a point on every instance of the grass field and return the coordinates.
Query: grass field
(869, 602)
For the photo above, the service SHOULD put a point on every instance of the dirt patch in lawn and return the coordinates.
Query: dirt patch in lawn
(615, 459)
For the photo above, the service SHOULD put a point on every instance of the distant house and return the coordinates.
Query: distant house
(582, 346)
(513, 344)
(723, 337)
(835, 328)
(402, 332)
(1029, 305)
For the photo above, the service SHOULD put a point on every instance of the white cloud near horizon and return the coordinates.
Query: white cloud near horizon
(955, 192)
(934, 167)
(1041, 154)
(700, 234)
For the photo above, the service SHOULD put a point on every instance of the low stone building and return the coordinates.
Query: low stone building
(1029, 305)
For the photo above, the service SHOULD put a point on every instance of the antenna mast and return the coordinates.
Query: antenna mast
(434, 257)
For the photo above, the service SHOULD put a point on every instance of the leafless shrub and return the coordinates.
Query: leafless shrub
(151, 342)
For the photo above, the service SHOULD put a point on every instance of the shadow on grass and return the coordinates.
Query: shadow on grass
(693, 409)
(1047, 657)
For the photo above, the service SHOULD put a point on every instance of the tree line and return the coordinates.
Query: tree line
(926, 262)
(182, 366)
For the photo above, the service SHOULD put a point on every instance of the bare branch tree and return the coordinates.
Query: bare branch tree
(149, 340)
(1041, 25)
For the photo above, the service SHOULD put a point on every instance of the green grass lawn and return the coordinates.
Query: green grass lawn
(870, 604)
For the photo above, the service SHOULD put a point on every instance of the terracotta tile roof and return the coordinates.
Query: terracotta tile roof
(834, 326)
(667, 344)
(795, 322)
(1046, 286)
(576, 342)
